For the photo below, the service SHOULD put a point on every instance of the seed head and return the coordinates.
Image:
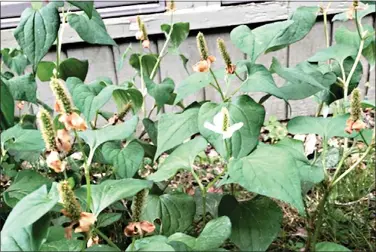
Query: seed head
(138, 205)
(47, 129)
(71, 206)
(224, 53)
(62, 97)
(356, 107)
(201, 46)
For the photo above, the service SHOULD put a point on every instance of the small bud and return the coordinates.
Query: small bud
(356, 107)
(355, 3)
(201, 46)
(72, 208)
(171, 6)
(47, 129)
(62, 98)
(138, 204)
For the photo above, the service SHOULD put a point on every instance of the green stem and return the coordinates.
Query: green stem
(203, 193)
(357, 59)
(105, 237)
(240, 78)
(133, 241)
(59, 39)
(160, 56)
(218, 86)
(216, 179)
(358, 26)
(87, 178)
(318, 223)
(45, 106)
(369, 148)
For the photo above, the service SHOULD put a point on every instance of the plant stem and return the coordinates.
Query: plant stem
(203, 193)
(45, 106)
(318, 223)
(357, 59)
(160, 56)
(218, 86)
(369, 148)
(323, 160)
(87, 178)
(105, 237)
(240, 78)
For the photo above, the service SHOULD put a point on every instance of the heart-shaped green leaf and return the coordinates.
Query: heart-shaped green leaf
(91, 30)
(110, 191)
(325, 127)
(257, 41)
(25, 182)
(86, 6)
(90, 98)
(181, 158)
(174, 129)
(176, 211)
(19, 139)
(242, 109)
(73, 67)
(338, 52)
(22, 88)
(37, 31)
(274, 175)
(28, 238)
(126, 161)
(31, 208)
(94, 138)
(179, 33)
(304, 19)
(14, 59)
(255, 223)
(192, 84)
(160, 92)
(212, 236)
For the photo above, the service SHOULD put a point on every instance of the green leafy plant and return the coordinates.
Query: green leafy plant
(79, 184)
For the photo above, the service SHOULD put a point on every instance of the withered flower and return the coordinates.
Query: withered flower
(139, 229)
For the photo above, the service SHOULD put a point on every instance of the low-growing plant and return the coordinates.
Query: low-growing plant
(198, 179)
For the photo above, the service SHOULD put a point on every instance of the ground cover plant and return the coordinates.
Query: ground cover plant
(213, 176)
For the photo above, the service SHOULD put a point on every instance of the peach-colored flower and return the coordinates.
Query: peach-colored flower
(92, 241)
(57, 107)
(85, 222)
(203, 65)
(230, 69)
(63, 140)
(141, 228)
(73, 121)
(54, 162)
(68, 231)
(357, 125)
(20, 105)
(139, 35)
(146, 43)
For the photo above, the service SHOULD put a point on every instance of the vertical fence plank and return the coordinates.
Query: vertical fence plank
(371, 90)
(301, 51)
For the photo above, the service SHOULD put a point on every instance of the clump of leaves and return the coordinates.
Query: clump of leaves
(194, 179)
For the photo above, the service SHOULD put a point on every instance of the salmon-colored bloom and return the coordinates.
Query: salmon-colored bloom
(141, 228)
(73, 121)
(57, 107)
(358, 125)
(63, 140)
(230, 69)
(203, 65)
(92, 241)
(146, 43)
(85, 222)
(20, 105)
(54, 162)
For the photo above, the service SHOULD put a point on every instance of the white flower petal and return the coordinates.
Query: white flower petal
(227, 134)
(230, 131)
(212, 127)
(218, 119)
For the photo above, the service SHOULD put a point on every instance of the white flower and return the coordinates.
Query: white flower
(222, 124)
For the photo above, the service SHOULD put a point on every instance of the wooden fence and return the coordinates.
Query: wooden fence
(103, 62)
